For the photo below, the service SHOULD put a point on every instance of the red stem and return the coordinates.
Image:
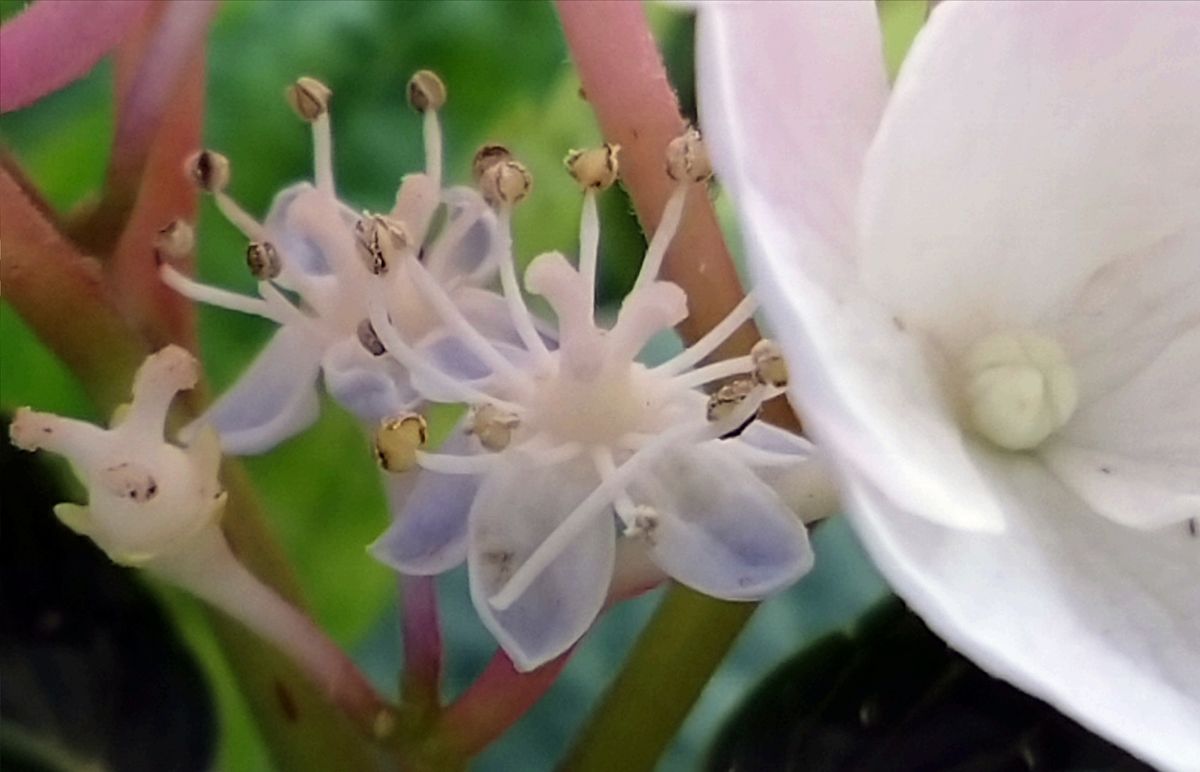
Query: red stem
(422, 633)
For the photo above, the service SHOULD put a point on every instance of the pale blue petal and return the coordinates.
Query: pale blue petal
(275, 399)
(518, 507)
(370, 387)
(428, 534)
(721, 530)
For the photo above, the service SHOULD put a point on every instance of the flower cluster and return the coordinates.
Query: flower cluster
(579, 474)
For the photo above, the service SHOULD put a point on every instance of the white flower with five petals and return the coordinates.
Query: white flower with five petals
(571, 471)
(990, 281)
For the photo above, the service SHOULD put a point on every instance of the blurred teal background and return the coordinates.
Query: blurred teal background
(510, 80)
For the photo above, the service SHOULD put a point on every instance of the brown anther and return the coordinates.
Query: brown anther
(208, 170)
(494, 427)
(380, 239)
(174, 241)
(594, 168)
(687, 158)
(486, 157)
(770, 369)
(263, 260)
(426, 91)
(727, 399)
(397, 440)
(370, 339)
(506, 182)
(309, 97)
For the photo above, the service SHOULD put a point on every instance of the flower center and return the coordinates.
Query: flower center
(1018, 388)
(596, 411)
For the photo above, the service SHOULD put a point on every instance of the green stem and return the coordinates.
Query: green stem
(669, 667)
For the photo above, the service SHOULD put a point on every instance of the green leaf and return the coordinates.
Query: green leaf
(891, 695)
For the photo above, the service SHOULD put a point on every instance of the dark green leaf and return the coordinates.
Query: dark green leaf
(94, 675)
(890, 695)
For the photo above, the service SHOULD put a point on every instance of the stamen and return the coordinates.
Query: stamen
(202, 293)
(310, 99)
(667, 226)
(208, 170)
(687, 158)
(251, 228)
(595, 168)
(629, 512)
(486, 157)
(712, 340)
(397, 440)
(263, 260)
(446, 463)
(505, 183)
(175, 241)
(522, 319)
(589, 246)
(742, 365)
(729, 398)
(770, 369)
(427, 95)
(493, 427)
(369, 340)
(380, 240)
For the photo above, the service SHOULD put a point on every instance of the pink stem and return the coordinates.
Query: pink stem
(496, 701)
(626, 83)
(422, 633)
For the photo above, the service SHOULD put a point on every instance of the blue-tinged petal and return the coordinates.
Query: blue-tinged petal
(295, 243)
(429, 532)
(275, 399)
(370, 387)
(720, 529)
(465, 244)
(518, 507)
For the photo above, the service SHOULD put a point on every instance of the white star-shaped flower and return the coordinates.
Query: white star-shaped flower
(584, 462)
(989, 281)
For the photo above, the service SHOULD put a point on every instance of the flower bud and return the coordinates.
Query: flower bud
(309, 97)
(507, 182)
(397, 440)
(595, 168)
(687, 158)
(208, 170)
(426, 91)
(263, 260)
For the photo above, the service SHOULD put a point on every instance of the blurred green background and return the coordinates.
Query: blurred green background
(510, 80)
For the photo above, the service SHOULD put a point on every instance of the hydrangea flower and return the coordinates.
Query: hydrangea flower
(990, 278)
(321, 251)
(585, 459)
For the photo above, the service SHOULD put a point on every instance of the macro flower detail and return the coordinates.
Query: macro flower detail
(584, 459)
(990, 279)
(147, 499)
(313, 247)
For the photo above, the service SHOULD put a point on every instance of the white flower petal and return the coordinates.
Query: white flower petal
(428, 534)
(1100, 620)
(370, 387)
(1025, 146)
(790, 97)
(295, 243)
(720, 529)
(864, 385)
(1134, 454)
(416, 202)
(276, 398)
(467, 255)
(517, 507)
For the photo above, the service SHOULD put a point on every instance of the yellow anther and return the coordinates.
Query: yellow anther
(398, 439)
(209, 170)
(594, 168)
(309, 97)
(426, 91)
